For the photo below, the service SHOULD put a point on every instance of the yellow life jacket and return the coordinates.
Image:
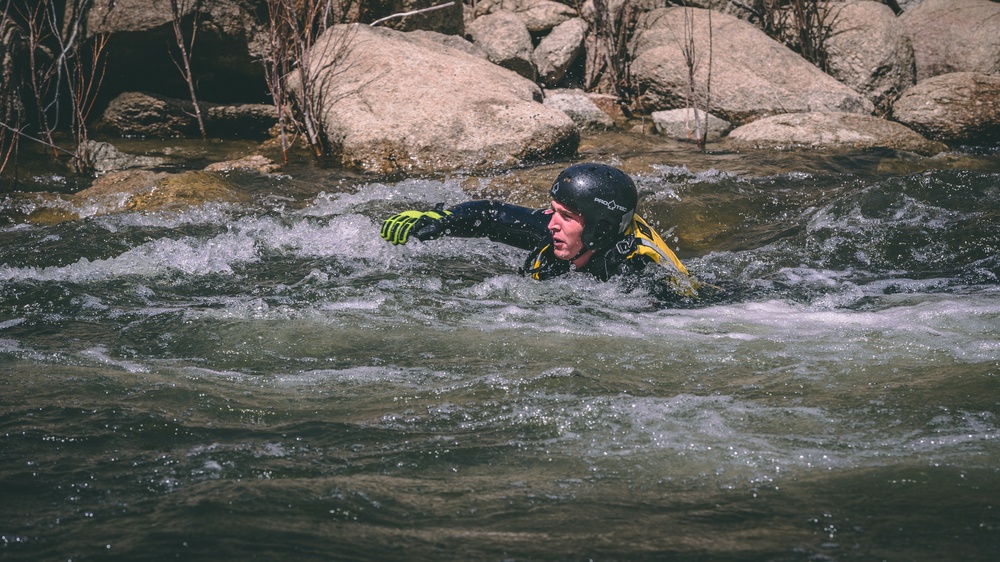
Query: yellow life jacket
(649, 244)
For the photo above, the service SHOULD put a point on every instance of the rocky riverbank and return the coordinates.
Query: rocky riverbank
(503, 83)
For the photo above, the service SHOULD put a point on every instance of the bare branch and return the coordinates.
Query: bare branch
(413, 13)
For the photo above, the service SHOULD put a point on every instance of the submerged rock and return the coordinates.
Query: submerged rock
(136, 191)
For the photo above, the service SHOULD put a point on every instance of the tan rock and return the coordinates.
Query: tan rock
(956, 107)
(750, 75)
(829, 130)
(400, 103)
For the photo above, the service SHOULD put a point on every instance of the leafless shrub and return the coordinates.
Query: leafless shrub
(692, 60)
(11, 109)
(185, 47)
(802, 25)
(60, 69)
(293, 28)
(609, 58)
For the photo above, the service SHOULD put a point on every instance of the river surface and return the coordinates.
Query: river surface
(270, 380)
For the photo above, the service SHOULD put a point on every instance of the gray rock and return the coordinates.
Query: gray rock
(580, 108)
(829, 130)
(398, 102)
(104, 157)
(506, 41)
(953, 108)
(752, 75)
(137, 114)
(954, 36)
(538, 15)
(558, 50)
(869, 51)
(679, 124)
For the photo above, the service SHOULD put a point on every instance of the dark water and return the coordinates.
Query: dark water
(272, 381)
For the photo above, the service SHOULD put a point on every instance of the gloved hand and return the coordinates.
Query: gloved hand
(425, 225)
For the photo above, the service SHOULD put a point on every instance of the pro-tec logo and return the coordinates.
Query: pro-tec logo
(610, 204)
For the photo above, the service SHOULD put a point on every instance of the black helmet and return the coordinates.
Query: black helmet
(605, 196)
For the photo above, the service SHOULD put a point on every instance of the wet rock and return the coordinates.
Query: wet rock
(506, 41)
(954, 36)
(252, 163)
(137, 114)
(147, 191)
(103, 157)
(829, 130)
(558, 50)
(401, 103)
(752, 75)
(580, 108)
(870, 52)
(953, 108)
(136, 191)
(148, 115)
(679, 124)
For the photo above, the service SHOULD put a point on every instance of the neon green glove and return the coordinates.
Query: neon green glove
(397, 228)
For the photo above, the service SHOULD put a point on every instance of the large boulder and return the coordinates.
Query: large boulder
(954, 36)
(869, 51)
(961, 107)
(751, 74)
(398, 102)
(829, 130)
(558, 50)
(506, 41)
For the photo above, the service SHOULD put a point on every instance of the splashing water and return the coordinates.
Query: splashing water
(271, 380)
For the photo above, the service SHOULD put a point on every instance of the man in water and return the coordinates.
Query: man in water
(590, 227)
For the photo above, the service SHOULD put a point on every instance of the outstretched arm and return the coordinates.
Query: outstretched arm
(517, 226)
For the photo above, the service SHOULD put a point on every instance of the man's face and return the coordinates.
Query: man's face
(566, 226)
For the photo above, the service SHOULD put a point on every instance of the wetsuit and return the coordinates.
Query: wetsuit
(527, 228)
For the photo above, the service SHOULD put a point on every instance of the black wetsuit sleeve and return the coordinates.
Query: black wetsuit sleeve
(517, 226)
